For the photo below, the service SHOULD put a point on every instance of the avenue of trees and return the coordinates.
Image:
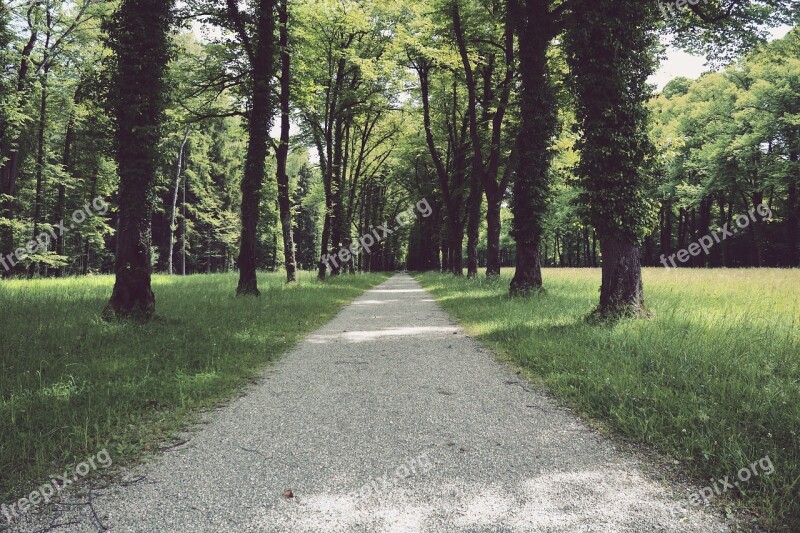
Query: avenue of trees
(268, 134)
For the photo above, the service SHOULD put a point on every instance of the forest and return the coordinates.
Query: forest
(190, 188)
(276, 133)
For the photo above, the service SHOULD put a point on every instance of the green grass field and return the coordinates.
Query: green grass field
(713, 380)
(72, 384)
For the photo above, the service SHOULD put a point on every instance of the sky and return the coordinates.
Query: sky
(679, 63)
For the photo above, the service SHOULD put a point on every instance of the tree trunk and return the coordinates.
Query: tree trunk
(621, 293)
(793, 218)
(284, 202)
(66, 165)
(528, 275)
(142, 47)
(538, 125)
(40, 159)
(183, 229)
(255, 165)
(493, 262)
(174, 210)
(473, 225)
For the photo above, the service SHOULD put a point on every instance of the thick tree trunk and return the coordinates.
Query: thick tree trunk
(284, 202)
(793, 218)
(255, 165)
(538, 124)
(528, 275)
(142, 48)
(621, 293)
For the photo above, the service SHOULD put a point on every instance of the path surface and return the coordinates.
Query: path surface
(390, 418)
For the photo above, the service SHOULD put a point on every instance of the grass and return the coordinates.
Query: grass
(72, 384)
(713, 380)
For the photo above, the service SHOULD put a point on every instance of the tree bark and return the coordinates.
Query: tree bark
(473, 225)
(40, 158)
(793, 217)
(257, 148)
(174, 210)
(142, 47)
(622, 292)
(538, 124)
(284, 202)
(66, 165)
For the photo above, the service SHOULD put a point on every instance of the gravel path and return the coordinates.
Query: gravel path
(389, 418)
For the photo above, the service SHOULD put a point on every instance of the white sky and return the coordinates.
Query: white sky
(679, 63)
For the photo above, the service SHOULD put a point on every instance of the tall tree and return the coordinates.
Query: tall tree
(282, 153)
(261, 55)
(610, 47)
(140, 40)
(536, 27)
(486, 131)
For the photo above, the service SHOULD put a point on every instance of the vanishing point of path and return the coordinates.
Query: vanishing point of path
(389, 418)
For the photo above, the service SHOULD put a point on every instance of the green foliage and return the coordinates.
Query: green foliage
(611, 54)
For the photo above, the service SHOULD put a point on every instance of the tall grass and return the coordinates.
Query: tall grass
(72, 384)
(712, 381)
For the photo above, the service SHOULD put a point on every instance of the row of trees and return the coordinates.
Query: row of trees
(274, 132)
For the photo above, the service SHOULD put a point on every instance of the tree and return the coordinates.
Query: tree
(282, 153)
(488, 129)
(141, 44)
(610, 49)
(260, 54)
(537, 26)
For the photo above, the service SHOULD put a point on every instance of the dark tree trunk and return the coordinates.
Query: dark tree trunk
(528, 275)
(536, 29)
(257, 148)
(473, 226)
(666, 228)
(493, 227)
(457, 249)
(284, 202)
(142, 47)
(621, 293)
(793, 218)
(756, 232)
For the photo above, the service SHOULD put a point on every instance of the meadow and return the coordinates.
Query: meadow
(72, 384)
(711, 383)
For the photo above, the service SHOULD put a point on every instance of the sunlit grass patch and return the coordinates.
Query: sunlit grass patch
(713, 380)
(72, 384)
